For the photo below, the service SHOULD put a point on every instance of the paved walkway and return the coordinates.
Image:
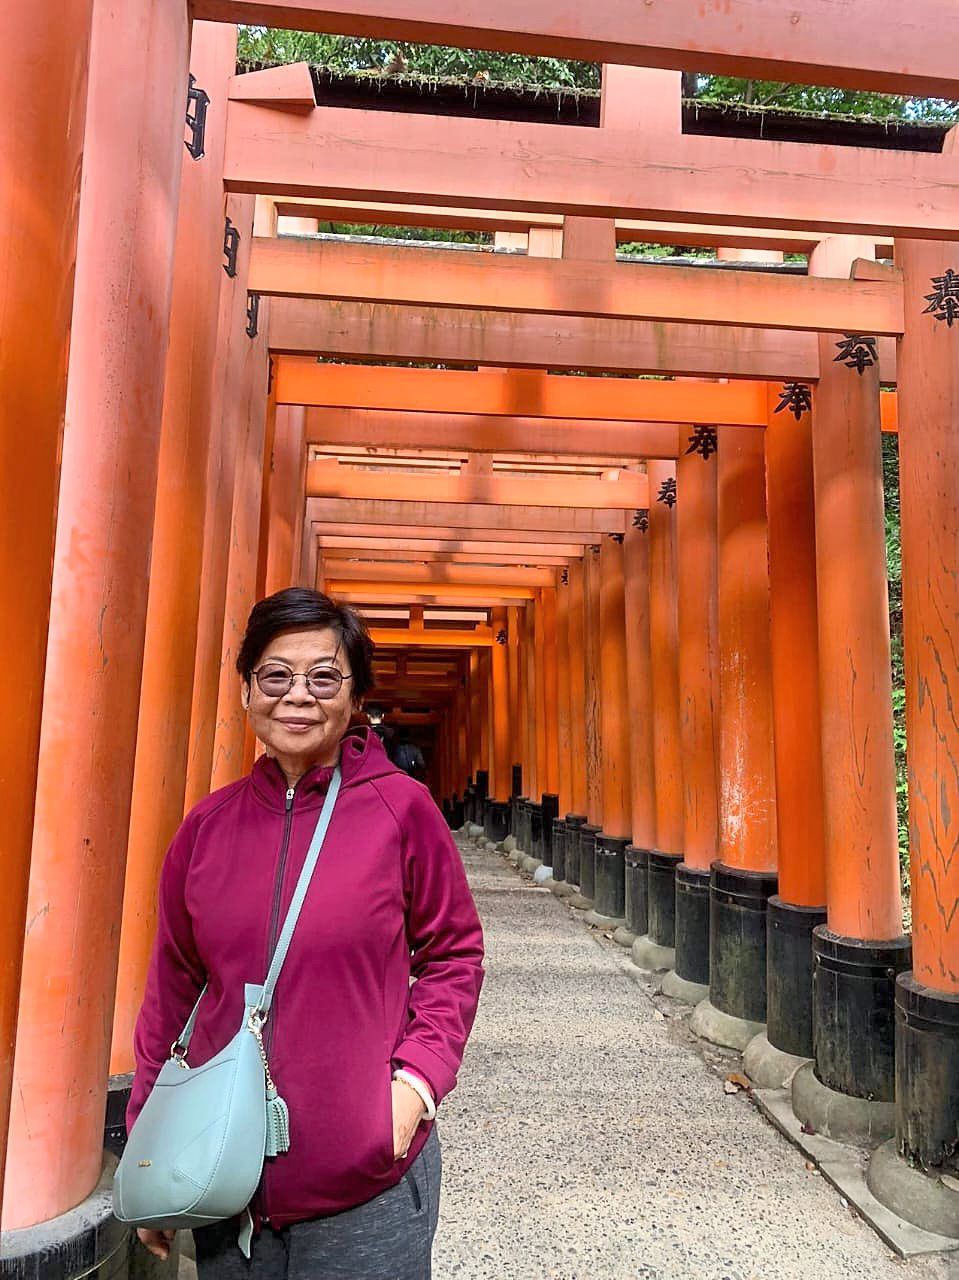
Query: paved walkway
(590, 1138)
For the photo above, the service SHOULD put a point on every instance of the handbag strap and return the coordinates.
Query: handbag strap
(292, 915)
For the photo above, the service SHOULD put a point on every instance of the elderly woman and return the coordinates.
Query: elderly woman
(362, 1055)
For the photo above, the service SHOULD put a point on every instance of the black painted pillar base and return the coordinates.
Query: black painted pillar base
(854, 995)
(609, 879)
(516, 789)
(574, 825)
(587, 861)
(789, 969)
(636, 873)
(535, 848)
(86, 1241)
(520, 829)
(549, 804)
(661, 900)
(905, 1176)
(737, 940)
(482, 785)
(457, 814)
(497, 822)
(927, 1075)
(691, 930)
(559, 849)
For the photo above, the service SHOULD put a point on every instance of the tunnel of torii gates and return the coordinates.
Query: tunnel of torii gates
(643, 616)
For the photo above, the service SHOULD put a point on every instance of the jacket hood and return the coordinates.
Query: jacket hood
(362, 759)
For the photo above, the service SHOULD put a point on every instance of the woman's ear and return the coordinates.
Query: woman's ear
(245, 695)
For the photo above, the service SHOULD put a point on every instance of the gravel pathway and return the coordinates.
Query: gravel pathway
(590, 1137)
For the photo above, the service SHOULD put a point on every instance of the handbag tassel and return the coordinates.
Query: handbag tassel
(277, 1124)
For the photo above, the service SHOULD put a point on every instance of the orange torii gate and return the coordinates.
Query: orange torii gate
(301, 268)
(231, 456)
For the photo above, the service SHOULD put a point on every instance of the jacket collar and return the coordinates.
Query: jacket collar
(269, 781)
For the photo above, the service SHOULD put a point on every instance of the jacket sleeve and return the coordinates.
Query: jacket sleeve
(175, 976)
(446, 939)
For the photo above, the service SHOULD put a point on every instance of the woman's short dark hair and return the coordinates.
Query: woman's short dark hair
(302, 609)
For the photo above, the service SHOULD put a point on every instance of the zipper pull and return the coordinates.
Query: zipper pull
(290, 792)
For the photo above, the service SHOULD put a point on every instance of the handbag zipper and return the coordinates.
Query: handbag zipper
(271, 940)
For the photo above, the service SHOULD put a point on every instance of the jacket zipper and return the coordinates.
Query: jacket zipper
(271, 940)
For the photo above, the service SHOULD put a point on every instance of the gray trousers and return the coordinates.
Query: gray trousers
(388, 1238)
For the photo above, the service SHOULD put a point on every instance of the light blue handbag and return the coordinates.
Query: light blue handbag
(195, 1154)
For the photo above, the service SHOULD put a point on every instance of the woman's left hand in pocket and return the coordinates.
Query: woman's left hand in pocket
(408, 1111)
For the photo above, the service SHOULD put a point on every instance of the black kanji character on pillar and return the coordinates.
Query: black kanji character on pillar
(564, 578)
(944, 299)
(704, 440)
(617, 537)
(667, 492)
(796, 397)
(641, 519)
(856, 351)
(501, 637)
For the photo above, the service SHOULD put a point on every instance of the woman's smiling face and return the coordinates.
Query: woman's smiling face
(296, 727)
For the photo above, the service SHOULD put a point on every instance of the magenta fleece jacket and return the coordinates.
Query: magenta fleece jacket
(388, 902)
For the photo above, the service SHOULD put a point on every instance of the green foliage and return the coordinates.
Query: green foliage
(389, 231)
(818, 100)
(349, 55)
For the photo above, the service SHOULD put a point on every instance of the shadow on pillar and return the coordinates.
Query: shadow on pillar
(735, 1010)
(848, 1092)
(905, 1173)
(656, 950)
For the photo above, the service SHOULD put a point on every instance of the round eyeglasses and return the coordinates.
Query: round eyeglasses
(276, 680)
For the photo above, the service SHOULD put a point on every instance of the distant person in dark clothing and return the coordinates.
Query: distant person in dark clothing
(408, 757)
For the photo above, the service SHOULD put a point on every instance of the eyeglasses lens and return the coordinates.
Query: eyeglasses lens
(322, 682)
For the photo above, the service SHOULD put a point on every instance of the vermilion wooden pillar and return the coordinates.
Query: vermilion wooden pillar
(611, 842)
(515, 664)
(794, 648)
(640, 689)
(547, 604)
(229, 406)
(501, 774)
(656, 950)
(169, 649)
(698, 670)
(577, 688)
(541, 719)
(527, 697)
(232, 744)
(41, 141)
(485, 726)
(286, 496)
(563, 692)
(744, 876)
(593, 688)
(859, 950)
(927, 998)
(129, 192)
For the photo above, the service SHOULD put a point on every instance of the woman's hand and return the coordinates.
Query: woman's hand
(158, 1242)
(408, 1111)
